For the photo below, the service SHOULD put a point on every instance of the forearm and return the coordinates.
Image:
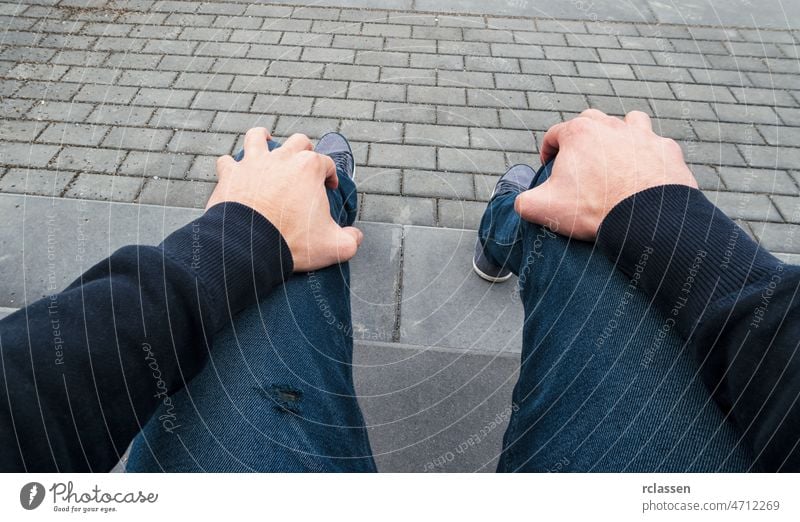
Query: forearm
(730, 298)
(84, 369)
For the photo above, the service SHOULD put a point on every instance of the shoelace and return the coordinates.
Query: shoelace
(342, 161)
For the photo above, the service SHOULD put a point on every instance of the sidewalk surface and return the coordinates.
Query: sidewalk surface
(115, 111)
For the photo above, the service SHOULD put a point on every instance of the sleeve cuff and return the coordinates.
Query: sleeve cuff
(236, 255)
(683, 250)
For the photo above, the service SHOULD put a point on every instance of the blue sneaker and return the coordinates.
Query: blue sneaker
(517, 179)
(338, 148)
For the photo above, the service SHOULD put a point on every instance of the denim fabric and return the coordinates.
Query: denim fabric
(604, 385)
(277, 392)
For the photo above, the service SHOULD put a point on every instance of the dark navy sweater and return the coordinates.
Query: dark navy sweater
(83, 370)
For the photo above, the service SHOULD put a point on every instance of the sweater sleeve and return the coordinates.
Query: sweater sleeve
(735, 303)
(84, 369)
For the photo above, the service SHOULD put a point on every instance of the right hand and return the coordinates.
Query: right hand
(601, 161)
(287, 186)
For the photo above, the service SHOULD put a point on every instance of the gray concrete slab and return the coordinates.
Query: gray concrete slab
(431, 410)
(445, 304)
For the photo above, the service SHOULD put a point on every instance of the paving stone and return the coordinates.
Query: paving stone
(20, 130)
(437, 95)
(16, 108)
(201, 143)
(709, 93)
(408, 75)
(37, 71)
(682, 110)
(102, 187)
(182, 119)
(789, 207)
(34, 181)
(410, 45)
(581, 54)
(433, 184)
(223, 101)
(502, 139)
(531, 51)
(368, 91)
(147, 78)
(176, 193)
(530, 120)
(707, 177)
(437, 135)
(767, 181)
(382, 58)
(358, 109)
(497, 98)
(394, 31)
(437, 61)
(523, 82)
(164, 97)
(405, 112)
(396, 209)
(204, 168)
(778, 237)
(605, 70)
(789, 116)
(405, 156)
(468, 116)
(746, 113)
(460, 214)
(351, 72)
(492, 64)
(780, 135)
(717, 77)
(321, 88)
(757, 96)
(372, 131)
(251, 36)
(538, 38)
(378, 180)
(738, 205)
(120, 115)
(771, 157)
(89, 159)
(435, 288)
(260, 84)
(487, 35)
(203, 81)
(155, 164)
(464, 48)
(318, 54)
(699, 46)
(470, 160)
(728, 132)
(296, 69)
(582, 85)
(137, 138)
(47, 90)
(73, 134)
(641, 88)
(268, 104)
(239, 66)
(664, 74)
(711, 153)
(313, 127)
(240, 122)
(181, 63)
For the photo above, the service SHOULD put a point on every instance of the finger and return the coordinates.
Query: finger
(255, 142)
(296, 143)
(347, 241)
(550, 142)
(536, 204)
(639, 119)
(224, 165)
(594, 114)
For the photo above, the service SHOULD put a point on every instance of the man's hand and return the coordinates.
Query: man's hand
(287, 186)
(601, 161)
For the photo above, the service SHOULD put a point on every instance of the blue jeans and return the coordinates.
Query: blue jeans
(277, 392)
(602, 386)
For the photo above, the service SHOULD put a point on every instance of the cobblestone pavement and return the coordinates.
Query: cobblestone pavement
(132, 100)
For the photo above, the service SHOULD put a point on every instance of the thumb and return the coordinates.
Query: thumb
(347, 239)
(537, 204)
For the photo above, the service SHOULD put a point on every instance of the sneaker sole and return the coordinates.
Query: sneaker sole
(487, 277)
